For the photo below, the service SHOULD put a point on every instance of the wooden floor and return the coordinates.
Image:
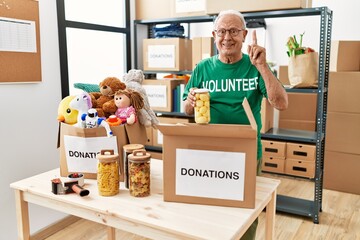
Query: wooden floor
(340, 218)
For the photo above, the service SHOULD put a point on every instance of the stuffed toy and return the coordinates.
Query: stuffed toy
(133, 80)
(103, 101)
(81, 103)
(66, 114)
(129, 103)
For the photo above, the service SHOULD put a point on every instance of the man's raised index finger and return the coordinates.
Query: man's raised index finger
(254, 38)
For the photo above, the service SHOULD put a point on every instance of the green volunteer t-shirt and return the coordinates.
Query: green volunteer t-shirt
(228, 85)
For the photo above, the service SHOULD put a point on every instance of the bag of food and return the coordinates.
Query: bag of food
(303, 64)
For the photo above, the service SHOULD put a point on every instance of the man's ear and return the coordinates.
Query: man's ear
(245, 32)
(214, 34)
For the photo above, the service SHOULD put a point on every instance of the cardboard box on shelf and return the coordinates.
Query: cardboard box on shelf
(215, 6)
(160, 93)
(79, 146)
(297, 124)
(274, 148)
(300, 168)
(149, 136)
(158, 136)
(302, 107)
(187, 8)
(273, 164)
(154, 9)
(167, 54)
(345, 56)
(283, 75)
(298, 151)
(267, 116)
(343, 132)
(202, 47)
(192, 154)
(343, 92)
(341, 172)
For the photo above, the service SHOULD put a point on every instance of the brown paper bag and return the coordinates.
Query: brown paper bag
(303, 70)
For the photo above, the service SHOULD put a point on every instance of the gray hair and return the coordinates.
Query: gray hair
(230, 12)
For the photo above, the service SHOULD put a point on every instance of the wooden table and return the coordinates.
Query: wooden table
(150, 216)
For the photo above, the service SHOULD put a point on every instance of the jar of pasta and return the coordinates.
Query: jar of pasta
(108, 173)
(128, 149)
(202, 106)
(139, 173)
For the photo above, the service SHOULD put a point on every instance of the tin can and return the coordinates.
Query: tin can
(128, 149)
(202, 106)
(139, 173)
(108, 173)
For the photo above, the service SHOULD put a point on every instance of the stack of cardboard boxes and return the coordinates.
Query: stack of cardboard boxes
(289, 158)
(342, 151)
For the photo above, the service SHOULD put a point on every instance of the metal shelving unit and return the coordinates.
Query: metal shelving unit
(303, 207)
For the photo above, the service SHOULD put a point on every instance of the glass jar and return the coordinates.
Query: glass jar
(108, 173)
(128, 149)
(202, 106)
(139, 173)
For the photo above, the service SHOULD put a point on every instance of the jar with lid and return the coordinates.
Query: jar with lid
(202, 106)
(128, 149)
(108, 173)
(139, 173)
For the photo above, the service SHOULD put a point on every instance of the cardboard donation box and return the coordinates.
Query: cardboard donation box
(160, 93)
(79, 146)
(212, 164)
(167, 54)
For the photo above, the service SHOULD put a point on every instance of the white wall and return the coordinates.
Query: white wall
(28, 123)
(28, 128)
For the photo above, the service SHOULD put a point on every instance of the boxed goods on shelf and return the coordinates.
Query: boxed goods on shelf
(283, 75)
(343, 132)
(167, 54)
(274, 148)
(267, 116)
(300, 151)
(190, 148)
(341, 172)
(300, 168)
(202, 47)
(345, 56)
(343, 92)
(215, 6)
(273, 164)
(301, 112)
(160, 93)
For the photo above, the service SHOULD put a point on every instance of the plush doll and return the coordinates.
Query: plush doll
(81, 103)
(66, 114)
(103, 101)
(133, 80)
(128, 102)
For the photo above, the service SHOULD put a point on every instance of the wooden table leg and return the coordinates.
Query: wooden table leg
(270, 217)
(22, 216)
(111, 233)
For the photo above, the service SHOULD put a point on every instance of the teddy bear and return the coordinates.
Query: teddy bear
(103, 101)
(133, 80)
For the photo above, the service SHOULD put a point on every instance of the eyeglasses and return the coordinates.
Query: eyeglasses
(233, 32)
